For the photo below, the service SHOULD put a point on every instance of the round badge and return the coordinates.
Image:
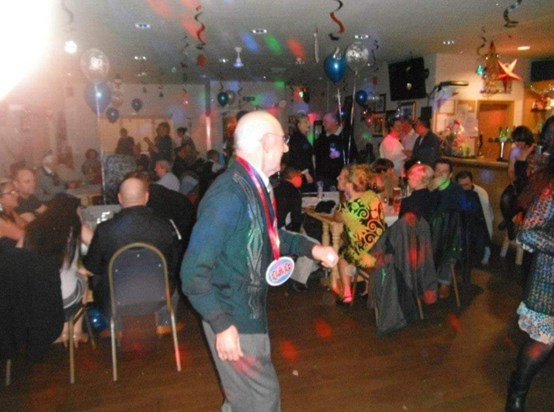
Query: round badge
(279, 271)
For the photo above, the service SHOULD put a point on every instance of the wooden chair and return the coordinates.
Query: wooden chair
(139, 285)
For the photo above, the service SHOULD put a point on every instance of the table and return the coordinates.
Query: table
(86, 193)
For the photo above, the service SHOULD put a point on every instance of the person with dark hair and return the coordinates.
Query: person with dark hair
(92, 167)
(427, 145)
(518, 164)
(333, 149)
(56, 233)
(25, 183)
(536, 311)
(300, 154)
(408, 136)
(125, 143)
(117, 166)
(11, 224)
(386, 178)
(162, 149)
(184, 139)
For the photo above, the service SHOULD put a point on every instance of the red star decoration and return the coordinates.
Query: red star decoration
(507, 73)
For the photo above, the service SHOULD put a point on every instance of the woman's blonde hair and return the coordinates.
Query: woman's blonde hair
(361, 177)
(425, 171)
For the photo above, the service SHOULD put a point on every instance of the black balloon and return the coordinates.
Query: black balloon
(361, 97)
(112, 114)
(222, 98)
(136, 104)
(98, 97)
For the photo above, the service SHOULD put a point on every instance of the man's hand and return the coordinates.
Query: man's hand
(227, 344)
(325, 254)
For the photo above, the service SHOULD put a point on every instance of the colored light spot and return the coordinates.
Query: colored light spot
(323, 329)
(454, 322)
(250, 43)
(296, 48)
(274, 44)
(160, 7)
(279, 84)
(288, 350)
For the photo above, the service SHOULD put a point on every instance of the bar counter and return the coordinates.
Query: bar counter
(492, 175)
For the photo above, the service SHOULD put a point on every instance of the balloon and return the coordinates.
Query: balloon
(335, 67)
(231, 95)
(361, 97)
(136, 104)
(112, 114)
(95, 65)
(96, 319)
(98, 97)
(222, 98)
(357, 56)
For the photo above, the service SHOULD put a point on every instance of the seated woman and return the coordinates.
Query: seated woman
(11, 224)
(364, 222)
(517, 173)
(386, 180)
(57, 233)
(420, 202)
(92, 168)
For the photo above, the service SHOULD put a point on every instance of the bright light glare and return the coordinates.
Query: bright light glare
(24, 36)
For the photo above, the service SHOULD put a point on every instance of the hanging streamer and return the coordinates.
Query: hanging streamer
(483, 44)
(70, 16)
(200, 30)
(184, 52)
(316, 47)
(336, 20)
(509, 22)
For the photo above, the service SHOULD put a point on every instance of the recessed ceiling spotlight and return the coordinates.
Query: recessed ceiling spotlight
(300, 60)
(143, 26)
(361, 36)
(142, 74)
(259, 31)
(140, 58)
(238, 62)
(223, 60)
(448, 42)
(70, 47)
(523, 48)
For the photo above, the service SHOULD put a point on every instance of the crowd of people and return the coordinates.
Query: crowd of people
(225, 255)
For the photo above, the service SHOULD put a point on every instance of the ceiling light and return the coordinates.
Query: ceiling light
(70, 47)
(300, 61)
(143, 26)
(361, 36)
(140, 58)
(448, 42)
(523, 48)
(238, 63)
(259, 31)
(223, 60)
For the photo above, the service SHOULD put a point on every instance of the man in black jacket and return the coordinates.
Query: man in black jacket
(427, 145)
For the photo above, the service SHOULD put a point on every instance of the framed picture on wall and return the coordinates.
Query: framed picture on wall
(408, 109)
(381, 103)
(377, 124)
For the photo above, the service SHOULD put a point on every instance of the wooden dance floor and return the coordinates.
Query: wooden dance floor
(328, 358)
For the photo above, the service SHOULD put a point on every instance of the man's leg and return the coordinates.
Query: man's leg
(249, 384)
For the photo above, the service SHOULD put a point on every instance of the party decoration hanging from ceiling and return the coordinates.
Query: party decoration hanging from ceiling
(95, 65)
(136, 104)
(222, 98)
(335, 66)
(201, 29)
(98, 97)
(116, 87)
(361, 97)
(357, 56)
(112, 114)
(339, 23)
(490, 73)
(231, 96)
(506, 15)
(373, 64)
(507, 74)
(70, 17)
(316, 46)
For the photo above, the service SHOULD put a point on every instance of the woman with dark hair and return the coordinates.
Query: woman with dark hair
(56, 233)
(536, 311)
(92, 168)
(11, 224)
(518, 174)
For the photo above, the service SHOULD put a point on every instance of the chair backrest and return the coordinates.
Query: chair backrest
(138, 280)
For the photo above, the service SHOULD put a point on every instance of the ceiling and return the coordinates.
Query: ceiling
(397, 30)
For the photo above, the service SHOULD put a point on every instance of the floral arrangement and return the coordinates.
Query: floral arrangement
(454, 141)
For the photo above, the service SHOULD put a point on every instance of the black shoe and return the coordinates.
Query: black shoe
(297, 286)
(511, 230)
(502, 225)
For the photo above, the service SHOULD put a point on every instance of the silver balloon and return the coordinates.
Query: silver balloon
(357, 56)
(95, 65)
(231, 96)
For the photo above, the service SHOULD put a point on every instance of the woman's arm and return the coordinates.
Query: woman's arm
(11, 230)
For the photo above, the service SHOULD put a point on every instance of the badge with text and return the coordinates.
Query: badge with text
(279, 271)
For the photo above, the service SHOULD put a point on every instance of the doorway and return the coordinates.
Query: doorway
(493, 115)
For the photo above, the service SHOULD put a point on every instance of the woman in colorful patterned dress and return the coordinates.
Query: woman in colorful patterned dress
(364, 222)
(536, 311)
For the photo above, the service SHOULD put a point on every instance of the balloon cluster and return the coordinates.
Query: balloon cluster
(227, 97)
(95, 67)
(356, 58)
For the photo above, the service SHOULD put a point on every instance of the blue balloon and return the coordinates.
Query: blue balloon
(96, 318)
(98, 97)
(136, 104)
(361, 97)
(222, 98)
(335, 67)
(112, 114)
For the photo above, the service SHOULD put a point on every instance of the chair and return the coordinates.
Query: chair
(139, 285)
(82, 311)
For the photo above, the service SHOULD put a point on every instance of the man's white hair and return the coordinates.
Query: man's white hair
(250, 130)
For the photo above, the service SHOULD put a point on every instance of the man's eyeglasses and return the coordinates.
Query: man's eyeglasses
(11, 192)
(284, 137)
